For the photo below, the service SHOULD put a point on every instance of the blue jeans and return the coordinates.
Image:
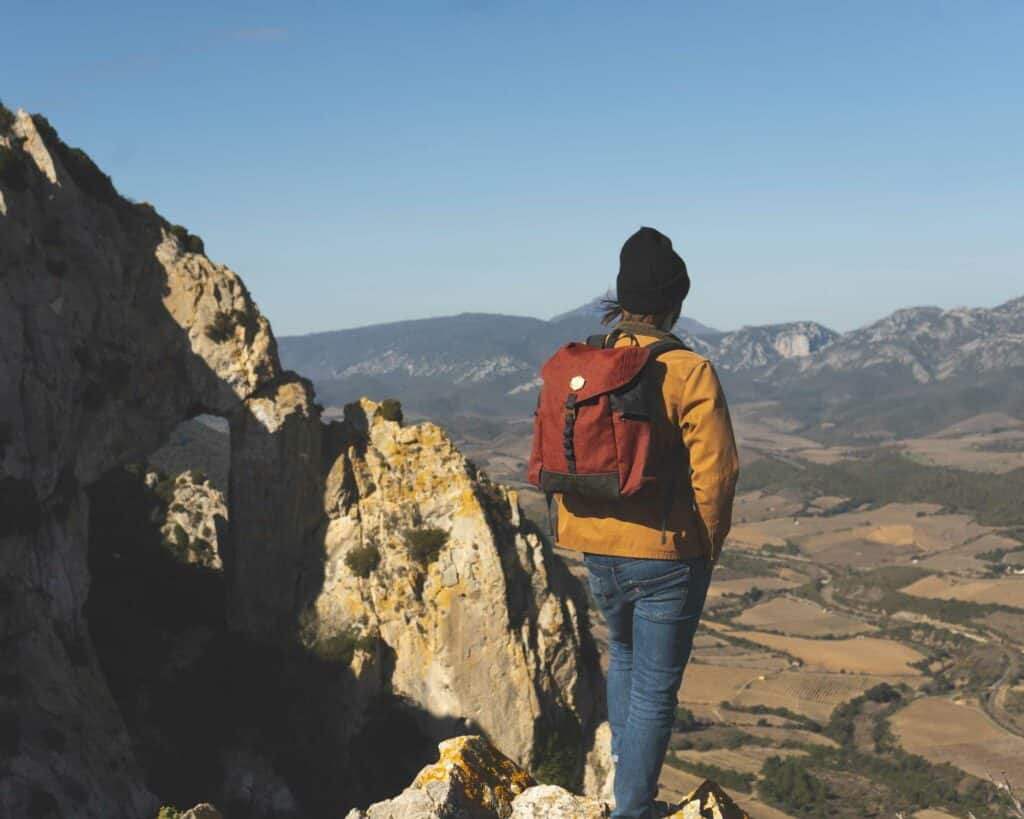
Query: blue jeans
(652, 608)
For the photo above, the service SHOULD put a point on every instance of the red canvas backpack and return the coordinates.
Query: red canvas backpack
(592, 428)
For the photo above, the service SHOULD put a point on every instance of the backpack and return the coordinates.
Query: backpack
(592, 427)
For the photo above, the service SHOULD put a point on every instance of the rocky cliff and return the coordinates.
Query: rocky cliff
(115, 327)
(482, 625)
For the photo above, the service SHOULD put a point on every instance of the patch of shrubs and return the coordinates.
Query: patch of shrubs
(203, 548)
(425, 545)
(341, 648)
(806, 723)
(729, 738)
(82, 170)
(362, 560)
(788, 782)
(391, 410)
(557, 752)
(685, 720)
(164, 488)
(189, 241)
(6, 117)
(223, 325)
(726, 777)
(883, 692)
(167, 812)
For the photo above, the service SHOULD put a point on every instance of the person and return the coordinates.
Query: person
(649, 588)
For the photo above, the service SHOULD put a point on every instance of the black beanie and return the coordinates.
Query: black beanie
(652, 277)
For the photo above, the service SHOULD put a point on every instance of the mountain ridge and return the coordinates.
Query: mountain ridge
(487, 364)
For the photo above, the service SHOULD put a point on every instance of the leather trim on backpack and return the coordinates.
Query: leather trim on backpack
(602, 485)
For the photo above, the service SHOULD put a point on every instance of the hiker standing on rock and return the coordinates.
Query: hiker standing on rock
(632, 437)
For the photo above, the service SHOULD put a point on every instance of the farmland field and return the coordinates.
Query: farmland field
(746, 760)
(812, 694)
(801, 618)
(1009, 591)
(864, 655)
(941, 730)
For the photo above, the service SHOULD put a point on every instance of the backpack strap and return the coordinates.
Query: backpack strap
(605, 341)
(666, 345)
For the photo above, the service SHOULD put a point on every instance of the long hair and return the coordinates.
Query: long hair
(612, 311)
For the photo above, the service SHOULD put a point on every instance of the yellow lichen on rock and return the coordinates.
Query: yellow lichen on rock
(484, 628)
(708, 801)
(487, 778)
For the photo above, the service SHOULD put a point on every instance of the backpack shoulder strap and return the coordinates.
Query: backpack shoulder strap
(666, 345)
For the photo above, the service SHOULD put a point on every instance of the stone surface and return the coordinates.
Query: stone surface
(491, 633)
(599, 772)
(200, 511)
(203, 811)
(470, 779)
(707, 801)
(554, 802)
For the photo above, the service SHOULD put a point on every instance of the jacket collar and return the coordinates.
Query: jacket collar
(639, 328)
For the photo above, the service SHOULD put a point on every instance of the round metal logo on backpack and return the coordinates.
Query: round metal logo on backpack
(577, 382)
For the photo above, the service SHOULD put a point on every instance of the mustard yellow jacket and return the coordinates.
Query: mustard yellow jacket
(695, 414)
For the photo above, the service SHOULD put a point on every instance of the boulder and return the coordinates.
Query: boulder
(554, 802)
(470, 780)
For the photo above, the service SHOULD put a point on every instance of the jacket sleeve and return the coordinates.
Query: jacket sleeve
(714, 463)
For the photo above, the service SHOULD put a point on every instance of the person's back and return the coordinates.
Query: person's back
(650, 556)
(692, 431)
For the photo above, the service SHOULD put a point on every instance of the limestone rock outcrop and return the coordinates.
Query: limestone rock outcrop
(707, 801)
(554, 802)
(470, 779)
(196, 517)
(473, 780)
(370, 555)
(488, 630)
(113, 329)
(202, 811)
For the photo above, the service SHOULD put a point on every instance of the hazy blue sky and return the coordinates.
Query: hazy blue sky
(368, 162)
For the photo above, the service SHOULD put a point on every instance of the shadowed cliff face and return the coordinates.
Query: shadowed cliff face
(111, 333)
(114, 327)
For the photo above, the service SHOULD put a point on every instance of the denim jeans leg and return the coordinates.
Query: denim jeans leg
(618, 614)
(666, 612)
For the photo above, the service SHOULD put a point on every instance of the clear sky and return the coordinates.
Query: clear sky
(367, 162)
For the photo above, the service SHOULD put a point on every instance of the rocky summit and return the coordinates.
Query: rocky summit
(473, 780)
(362, 588)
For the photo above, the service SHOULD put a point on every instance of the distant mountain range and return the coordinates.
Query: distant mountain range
(923, 365)
(469, 363)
